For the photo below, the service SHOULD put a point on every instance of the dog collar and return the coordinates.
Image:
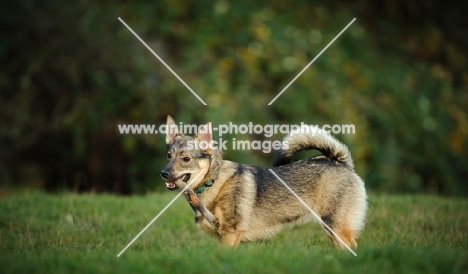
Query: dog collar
(206, 184)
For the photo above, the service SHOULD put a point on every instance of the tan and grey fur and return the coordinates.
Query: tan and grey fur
(251, 204)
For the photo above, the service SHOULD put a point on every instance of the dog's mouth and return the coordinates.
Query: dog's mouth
(171, 185)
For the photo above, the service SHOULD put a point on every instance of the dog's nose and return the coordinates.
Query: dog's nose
(164, 174)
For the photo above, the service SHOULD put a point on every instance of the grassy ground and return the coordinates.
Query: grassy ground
(66, 233)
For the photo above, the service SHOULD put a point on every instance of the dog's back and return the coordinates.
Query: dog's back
(327, 183)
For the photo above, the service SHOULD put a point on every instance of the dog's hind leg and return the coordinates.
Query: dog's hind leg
(346, 235)
(342, 230)
(346, 221)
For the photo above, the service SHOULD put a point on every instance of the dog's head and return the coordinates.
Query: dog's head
(189, 158)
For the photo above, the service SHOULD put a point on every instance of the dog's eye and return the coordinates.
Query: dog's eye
(169, 156)
(186, 159)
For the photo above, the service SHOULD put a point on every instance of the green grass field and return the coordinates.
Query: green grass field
(70, 233)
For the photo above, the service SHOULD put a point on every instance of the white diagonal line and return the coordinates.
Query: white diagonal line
(162, 61)
(160, 213)
(313, 213)
(306, 67)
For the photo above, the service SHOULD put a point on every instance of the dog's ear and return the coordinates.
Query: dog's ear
(171, 130)
(205, 133)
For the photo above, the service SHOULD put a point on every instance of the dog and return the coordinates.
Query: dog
(251, 203)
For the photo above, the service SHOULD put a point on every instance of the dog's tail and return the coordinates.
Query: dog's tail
(321, 141)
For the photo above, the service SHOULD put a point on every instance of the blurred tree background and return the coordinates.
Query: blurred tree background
(71, 72)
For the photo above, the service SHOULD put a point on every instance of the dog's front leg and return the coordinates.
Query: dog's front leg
(229, 233)
(203, 210)
(232, 238)
(196, 204)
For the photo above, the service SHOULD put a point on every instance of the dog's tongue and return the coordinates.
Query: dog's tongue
(170, 184)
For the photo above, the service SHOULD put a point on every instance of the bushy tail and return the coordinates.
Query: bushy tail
(321, 141)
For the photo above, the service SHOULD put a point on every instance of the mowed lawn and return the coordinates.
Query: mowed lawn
(69, 233)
